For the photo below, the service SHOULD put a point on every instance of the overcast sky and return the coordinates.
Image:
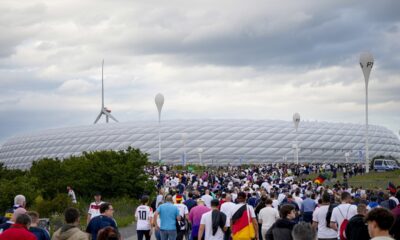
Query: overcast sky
(210, 59)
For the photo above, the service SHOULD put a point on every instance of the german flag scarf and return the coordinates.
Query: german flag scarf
(242, 226)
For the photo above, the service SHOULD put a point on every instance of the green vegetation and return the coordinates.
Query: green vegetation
(118, 175)
(372, 180)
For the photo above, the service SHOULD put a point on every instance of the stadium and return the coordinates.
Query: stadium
(211, 142)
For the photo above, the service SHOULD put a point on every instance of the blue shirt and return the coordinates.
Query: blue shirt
(98, 223)
(40, 233)
(308, 205)
(168, 214)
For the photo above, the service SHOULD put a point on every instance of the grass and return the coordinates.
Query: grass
(372, 180)
(123, 214)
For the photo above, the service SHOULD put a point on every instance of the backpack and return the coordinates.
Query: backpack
(342, 230)
(329, 214)
(180, 225)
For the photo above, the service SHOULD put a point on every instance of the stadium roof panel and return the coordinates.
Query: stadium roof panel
(223, 141)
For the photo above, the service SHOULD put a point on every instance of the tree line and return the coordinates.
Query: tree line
(112, 173)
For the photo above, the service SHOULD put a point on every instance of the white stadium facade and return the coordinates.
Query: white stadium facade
(217, 142)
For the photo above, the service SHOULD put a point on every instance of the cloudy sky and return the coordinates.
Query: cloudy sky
(210, 59)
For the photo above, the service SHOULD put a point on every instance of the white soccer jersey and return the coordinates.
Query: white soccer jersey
(94, 209)
(143, 214)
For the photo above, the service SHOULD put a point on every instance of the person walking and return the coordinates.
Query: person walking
(168, 214)
(379, 221)
(94, 207)
(267, 217)
(307, 208)
(40, 233)
(319, 220)
(213, 223)
(356, 228)
(71, 194)
(182, 226)
(244, 223)
(195, 217)
(105, 219)
(282, 228)
(342, 214)
(19, 230)
(71, 229)
(227, 207)
(144, 218)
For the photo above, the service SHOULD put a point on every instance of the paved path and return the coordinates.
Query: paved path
(129, 232)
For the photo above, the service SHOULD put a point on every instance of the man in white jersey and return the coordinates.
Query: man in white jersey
(227, 208)
(94, 207)
(319, 220)
(184, 213)
(267, 216)
(144, 218)
(213, 231)
(207, 198)
(71, 194)
(343, 211)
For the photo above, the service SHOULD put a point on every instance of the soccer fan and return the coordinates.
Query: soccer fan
(94, 207)
(227, 207)
(105, 219)
(320, 219)
(144, 218)
(71, 194)
(213, 223)
(207, 198)
(71, 229)
(195, 217)
(19, 202)
(379, 220)
(342, 213)
(356, 228)
(267, 217)
(244, 223)
(19, 230)
(168, 215)
(9, 223)
(40, 233)
(282, 228)
(184, 214)
(303, 231)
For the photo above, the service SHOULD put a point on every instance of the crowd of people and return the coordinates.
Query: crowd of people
(273, 201)
(20, 224)
(263, 202)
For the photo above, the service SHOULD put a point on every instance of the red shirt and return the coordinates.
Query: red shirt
(17, 232)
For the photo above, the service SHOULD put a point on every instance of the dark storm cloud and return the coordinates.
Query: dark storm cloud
(331, 36)
(278, 56)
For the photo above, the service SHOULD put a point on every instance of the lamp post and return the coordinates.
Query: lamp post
(159, 99)
(184, 136)
(200, 151)
(366, 63)
(296, 121)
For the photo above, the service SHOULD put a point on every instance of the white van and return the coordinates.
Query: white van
(385, 165)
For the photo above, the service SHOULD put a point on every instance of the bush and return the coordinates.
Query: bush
(9, 188)
(47, 208)
(113, 173)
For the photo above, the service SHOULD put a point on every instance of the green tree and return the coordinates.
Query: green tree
(50, 176)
